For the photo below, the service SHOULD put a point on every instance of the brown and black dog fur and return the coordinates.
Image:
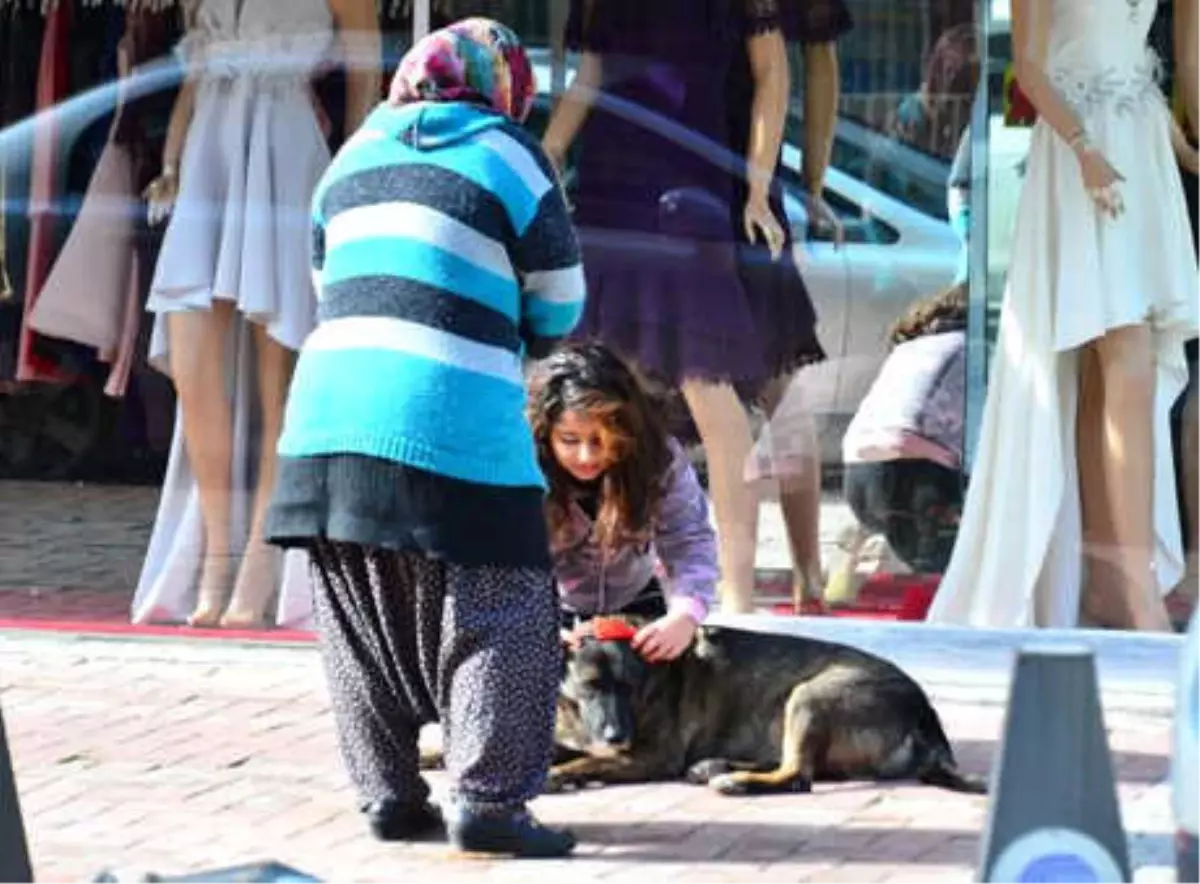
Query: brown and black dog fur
(747, 712)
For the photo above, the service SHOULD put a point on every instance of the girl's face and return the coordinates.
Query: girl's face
(583, 446)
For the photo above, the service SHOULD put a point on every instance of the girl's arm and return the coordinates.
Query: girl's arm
(573, 108)
(358, 32)
(686, 543)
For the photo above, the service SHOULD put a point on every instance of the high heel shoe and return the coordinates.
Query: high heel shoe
(213, 593)
(254, 589)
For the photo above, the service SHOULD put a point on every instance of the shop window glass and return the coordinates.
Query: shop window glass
(88, 435)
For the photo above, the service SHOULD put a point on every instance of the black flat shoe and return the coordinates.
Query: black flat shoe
(515, 834)
(391, 821)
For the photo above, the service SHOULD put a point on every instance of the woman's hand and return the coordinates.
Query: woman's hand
(160, 194)
(666, 638)
(1101, 180)
(759, 219)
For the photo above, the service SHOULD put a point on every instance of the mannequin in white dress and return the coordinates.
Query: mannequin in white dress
(232, 291)
(1102, 293)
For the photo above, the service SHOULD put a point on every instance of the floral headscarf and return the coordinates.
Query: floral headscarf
(476, 60)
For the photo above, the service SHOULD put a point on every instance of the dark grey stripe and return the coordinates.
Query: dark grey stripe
(318, 246)
(549, 243)
(414, 301)
(427, 185)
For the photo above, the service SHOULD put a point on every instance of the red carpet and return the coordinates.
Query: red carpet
(91, 612)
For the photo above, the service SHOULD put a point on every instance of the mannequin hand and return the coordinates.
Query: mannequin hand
(666, 638)
(1190, 160)
(1100, 180)
(759, 219)
(160, 195)
(824, 220)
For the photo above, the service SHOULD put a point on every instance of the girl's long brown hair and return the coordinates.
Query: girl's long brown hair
(588, 378)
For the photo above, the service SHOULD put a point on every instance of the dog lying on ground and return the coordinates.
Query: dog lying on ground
(744, 713)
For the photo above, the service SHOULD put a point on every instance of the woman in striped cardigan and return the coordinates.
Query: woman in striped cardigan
(443, 253)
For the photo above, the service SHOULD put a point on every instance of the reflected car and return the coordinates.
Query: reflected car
(898, 244)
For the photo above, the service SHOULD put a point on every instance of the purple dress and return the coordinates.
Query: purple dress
(672, 282)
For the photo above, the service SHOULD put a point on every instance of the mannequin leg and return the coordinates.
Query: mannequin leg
(1101, 601)
(197, 356)
(1190, 467)
(724, 429)
(800, 500)
(1120, 540)
(257, 577)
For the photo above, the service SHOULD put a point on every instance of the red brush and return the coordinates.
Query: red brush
(610, 629)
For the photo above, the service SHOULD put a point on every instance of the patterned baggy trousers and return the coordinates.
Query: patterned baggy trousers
(408, 640)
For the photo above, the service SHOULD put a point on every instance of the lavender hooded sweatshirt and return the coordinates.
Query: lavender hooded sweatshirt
(591, 581)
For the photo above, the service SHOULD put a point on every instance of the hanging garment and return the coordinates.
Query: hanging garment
(94, 292)
(52, 87)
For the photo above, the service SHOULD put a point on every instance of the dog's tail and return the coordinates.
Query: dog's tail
(942, 771)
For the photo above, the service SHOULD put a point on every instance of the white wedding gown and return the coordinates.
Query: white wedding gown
(1074, 275)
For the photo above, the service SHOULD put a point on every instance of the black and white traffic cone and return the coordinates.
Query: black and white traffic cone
(14, 851)
(1054, 814)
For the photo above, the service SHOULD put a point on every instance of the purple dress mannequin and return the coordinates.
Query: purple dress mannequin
(673, 283)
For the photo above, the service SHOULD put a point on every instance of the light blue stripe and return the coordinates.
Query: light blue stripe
(389, 405)
(551, 319)
(477, 164)
(410, 259)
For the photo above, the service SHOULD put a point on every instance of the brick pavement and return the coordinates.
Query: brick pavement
(175, 757)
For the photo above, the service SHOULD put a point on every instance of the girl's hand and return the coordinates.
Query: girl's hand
(1101, 180)
(759, 219)
(666, 638)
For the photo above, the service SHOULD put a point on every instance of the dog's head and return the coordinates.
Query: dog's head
(604, 678)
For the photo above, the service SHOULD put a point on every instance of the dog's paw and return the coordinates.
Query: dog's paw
(431, 759)
(728, 784)
(703, 772)
(557, 783)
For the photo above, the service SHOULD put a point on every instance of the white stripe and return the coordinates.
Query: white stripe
(519, 159)
(415, 339)
(557, 286)
(414, 221)
(317, 279)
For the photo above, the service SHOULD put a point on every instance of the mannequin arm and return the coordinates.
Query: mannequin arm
(769, 68)
(1186, 61)
(573, 108)
(1030, 35)
(177, 127)
(822, 88)
(358, 31)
